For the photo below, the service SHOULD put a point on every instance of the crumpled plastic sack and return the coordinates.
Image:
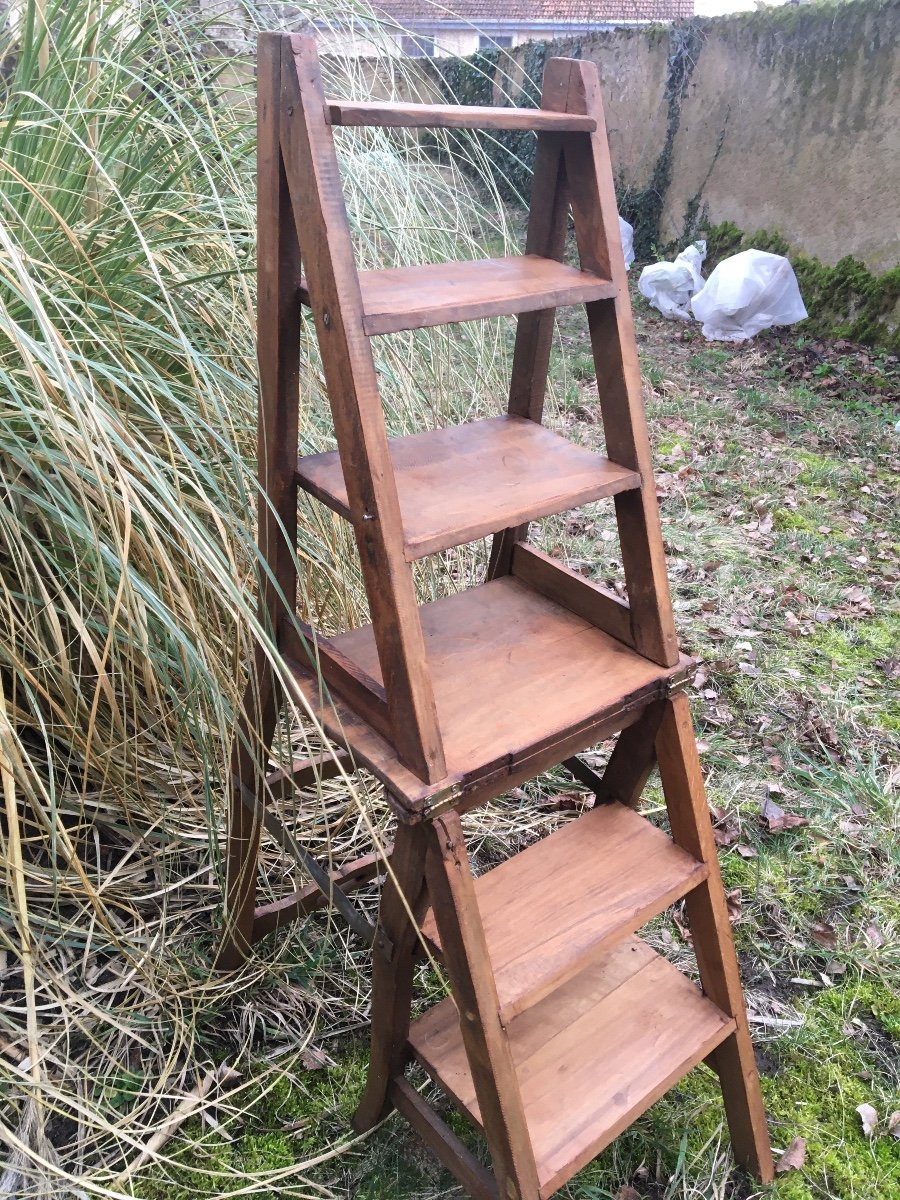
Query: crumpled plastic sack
(746, 293)
(669, 285)
(626, 233)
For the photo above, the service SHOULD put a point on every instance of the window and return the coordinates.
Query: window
(417, 46)
(503, 41)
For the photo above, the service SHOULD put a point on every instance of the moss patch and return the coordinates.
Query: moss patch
(822, 1075)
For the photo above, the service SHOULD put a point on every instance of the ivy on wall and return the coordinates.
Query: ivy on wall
(508, 153)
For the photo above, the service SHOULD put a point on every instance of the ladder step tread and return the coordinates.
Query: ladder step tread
(565, 900)
(392, 115)
(590, 1058)
(517, 679)
(418, 297)
(462, 483)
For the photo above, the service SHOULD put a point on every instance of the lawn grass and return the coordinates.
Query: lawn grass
(778, 492)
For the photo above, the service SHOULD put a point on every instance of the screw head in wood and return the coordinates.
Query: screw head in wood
(326, 319)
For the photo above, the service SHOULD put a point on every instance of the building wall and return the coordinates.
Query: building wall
(794, 126)
(786, 120)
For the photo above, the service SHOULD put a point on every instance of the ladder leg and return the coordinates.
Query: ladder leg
(278, 268)
(707, 911)
(392, 972)
(452, 892)
(632, 759)
(546, 236)
(248, 763)
(595, 216)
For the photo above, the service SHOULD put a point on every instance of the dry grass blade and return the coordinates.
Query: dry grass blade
(128, 576)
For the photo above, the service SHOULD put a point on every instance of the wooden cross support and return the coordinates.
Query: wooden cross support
(563, 1025)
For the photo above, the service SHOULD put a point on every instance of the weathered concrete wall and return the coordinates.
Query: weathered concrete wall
(786, 120)
(791, 122)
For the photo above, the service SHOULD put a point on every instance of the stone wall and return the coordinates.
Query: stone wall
(785, 120)
(791, 122)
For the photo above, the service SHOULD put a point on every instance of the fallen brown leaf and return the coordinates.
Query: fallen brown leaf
(627, 1192)
(792, 623)
(726, 826)
(823, 935)
(776, 819)
(313, 1058)
(746, 851)
(858, 603)
(793, 1158)
(873, 935)
(566, 802)
(683, 928)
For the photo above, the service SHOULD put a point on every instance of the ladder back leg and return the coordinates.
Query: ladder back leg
(546, 236)
(632, 760)
(596, 220)
(278, 352)
(402, 904)
(707, 911)
(452, 892)
(248, 770)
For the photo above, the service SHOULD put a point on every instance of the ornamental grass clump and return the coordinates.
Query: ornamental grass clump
(128, 574)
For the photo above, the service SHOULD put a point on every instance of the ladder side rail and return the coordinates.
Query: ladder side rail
(455, 906)
(546, 236)
(404, 900)
(595, 603)
(596, 219)
(278, 351)
(707, 912)
(323, 230)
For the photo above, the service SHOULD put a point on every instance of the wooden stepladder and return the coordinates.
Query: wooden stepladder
(563, 1025)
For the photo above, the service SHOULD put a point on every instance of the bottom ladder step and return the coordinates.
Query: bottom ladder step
(590, 1057)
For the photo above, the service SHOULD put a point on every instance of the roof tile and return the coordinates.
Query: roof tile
(536, 12)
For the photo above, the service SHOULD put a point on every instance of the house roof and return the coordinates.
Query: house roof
(532, 12)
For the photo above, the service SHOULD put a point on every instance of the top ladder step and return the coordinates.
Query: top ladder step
(454, 116)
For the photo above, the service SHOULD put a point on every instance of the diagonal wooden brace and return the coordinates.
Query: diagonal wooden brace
(320, 876)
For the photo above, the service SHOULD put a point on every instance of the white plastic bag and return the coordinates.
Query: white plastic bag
(669, 285)
(626, 233)
(746, 293)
